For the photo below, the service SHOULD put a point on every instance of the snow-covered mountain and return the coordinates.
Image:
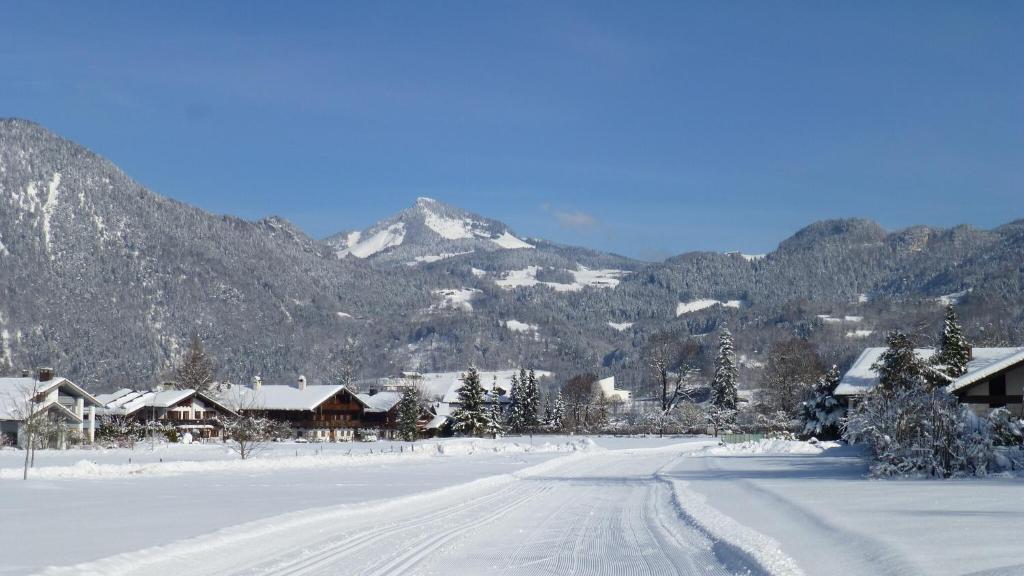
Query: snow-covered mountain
(105, 280)
(427, 232)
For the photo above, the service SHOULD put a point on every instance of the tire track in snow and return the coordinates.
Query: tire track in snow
(325, 557)
(594, 521)
(409, 558)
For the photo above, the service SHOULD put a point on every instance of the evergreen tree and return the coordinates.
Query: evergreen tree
(196, 370)
(470, 417)
(556, 414)
(409, 414)
(823, 413)
(496, 418)
(954, 351)
(898, 366)
(531, 400)
(723, 387)
(517, 411)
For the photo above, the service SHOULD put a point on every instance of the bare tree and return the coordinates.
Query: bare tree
(676, 366)
(26, 407)
(578, 394)
(793, 367)
(345, 365)
(248, 431)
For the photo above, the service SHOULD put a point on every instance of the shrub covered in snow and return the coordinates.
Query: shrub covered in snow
(822, 414)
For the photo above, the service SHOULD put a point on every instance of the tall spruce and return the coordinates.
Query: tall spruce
(471, 418)
(823, 413)
(556, 414)
(495, 415)
(723, 387)
(517, 411)
(954, 351)
(531, 400)
(409, 414)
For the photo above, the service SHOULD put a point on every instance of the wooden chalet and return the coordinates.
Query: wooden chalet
(320, 413)
(186, 410)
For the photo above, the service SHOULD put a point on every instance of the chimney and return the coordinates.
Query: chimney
(302, 382)
(257, 382)
(970, 352)
(372, 391)
(45, 374)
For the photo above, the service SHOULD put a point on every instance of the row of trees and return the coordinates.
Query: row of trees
(473, 417)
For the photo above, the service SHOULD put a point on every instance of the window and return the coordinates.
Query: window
(997, 391)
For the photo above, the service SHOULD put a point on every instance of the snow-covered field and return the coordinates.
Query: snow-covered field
(558, 505)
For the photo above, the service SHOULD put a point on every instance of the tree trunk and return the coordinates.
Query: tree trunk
(28, 445)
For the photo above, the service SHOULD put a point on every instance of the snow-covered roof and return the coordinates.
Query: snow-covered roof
(379, 402)
(437, 422)
(987, 368)
(126, 401)
(15, 391)
(278, 397)
(861, 377)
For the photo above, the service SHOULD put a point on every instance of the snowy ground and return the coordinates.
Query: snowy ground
(561, 506)
(818, 505)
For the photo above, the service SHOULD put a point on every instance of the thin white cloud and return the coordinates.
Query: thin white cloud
(574, 220)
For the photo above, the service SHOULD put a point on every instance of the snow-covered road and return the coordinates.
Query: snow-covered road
(605, 512)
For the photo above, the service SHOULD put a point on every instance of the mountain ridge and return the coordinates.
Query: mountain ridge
(105, 280)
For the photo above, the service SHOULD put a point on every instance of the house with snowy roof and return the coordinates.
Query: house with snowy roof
(70, 409)
(994, 378)
(186, 410)
(319, 413)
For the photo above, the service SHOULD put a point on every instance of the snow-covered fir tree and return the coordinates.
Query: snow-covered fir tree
(517, 409)
(555, 417)
(471, 417)
(723, 387)
(823, 413)
(409, 414)
(954, 351)
(531, 399)
(898, 366)
(496, 417)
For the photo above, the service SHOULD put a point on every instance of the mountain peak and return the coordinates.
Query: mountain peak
(838, 231)
(428, 231)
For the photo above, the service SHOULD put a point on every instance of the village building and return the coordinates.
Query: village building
(994, 378)
(607, 387)
(69, 412)
(187, 411)
(320, 413)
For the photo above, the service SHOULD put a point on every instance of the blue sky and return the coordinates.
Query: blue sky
(643, 128)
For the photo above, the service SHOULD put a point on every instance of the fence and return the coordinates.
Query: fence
(737, 438)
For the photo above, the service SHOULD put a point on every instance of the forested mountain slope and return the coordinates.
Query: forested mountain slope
(105, 280)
